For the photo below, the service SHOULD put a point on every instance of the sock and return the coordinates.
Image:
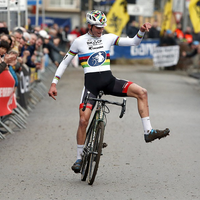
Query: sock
(146, 125)
(79, 151)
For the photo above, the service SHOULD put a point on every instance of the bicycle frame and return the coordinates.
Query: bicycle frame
(94, 137)
(98, 116)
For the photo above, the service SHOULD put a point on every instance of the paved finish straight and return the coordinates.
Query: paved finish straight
(36, 162)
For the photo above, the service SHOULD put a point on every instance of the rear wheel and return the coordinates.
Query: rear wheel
(96, 153)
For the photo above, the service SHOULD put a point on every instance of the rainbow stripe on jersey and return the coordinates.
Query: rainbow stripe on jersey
(83, 58)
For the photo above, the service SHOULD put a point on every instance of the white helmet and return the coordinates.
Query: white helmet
(97, 18)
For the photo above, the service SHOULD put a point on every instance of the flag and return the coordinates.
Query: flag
(117, 17)
(166, 24)
(194, 10)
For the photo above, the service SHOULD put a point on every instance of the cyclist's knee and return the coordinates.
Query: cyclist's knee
(142, 94)
(83, 122)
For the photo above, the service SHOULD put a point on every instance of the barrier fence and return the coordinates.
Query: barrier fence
(16, 103)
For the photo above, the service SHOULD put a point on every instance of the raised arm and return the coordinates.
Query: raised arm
(136, 40)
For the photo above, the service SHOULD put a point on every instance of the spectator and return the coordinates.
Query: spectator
(154, 33)
(18, 33)
(132, 29)
(167, 39)
(30, 28)
(6, 59)
(179, 35)
(24, 49)
(52, 33)
(83, 30)
(56, 42)
(37, 29)
(13, 41)
(3, 28)
(33, 60)
(188, 35)
(7, 38)
(51, 47)
(55, 27)
(33, 38)
(4, 36)
(196, 36)
(76, 31)
(195, 49)
(37, 57)
(64, 38)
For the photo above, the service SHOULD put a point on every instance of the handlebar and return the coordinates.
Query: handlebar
(123, 104)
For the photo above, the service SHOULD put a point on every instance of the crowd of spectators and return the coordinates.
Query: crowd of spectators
(30, 50)
(188, 41)
(25, 55)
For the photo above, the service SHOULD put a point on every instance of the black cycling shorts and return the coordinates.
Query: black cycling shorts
(106, 82)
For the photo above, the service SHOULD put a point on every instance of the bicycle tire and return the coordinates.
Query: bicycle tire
(94, 159)
(86, 157)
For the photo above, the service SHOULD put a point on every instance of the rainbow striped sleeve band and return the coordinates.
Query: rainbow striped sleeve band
(139, 36)
(57, 78)
(72, 53)
(116, 41)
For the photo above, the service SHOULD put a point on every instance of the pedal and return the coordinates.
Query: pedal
(104, 145)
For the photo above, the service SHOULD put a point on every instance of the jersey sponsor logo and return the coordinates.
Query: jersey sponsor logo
(91, 48)
(97, 59)
(94, 44)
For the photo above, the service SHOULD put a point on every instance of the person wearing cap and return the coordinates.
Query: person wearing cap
(93, 50)
(168, 39)
(195, 50)
(50, 46)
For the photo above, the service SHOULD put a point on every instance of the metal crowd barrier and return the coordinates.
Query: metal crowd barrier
(18, 118)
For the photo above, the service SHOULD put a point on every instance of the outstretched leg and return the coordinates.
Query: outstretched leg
(140, 94)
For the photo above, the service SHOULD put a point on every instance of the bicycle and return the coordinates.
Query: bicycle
(94, 136)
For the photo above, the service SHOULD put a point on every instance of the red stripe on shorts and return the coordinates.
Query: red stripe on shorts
(87, 106)
(126, 86)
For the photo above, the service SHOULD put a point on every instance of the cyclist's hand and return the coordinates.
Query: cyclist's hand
(145, 27)
(53, 91)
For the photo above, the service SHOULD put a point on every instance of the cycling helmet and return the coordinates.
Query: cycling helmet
(96, 18)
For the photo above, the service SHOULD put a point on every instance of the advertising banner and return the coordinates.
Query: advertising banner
(144, 51)
(7, 97)
(34, 2)
(166, 56)
(23, 87)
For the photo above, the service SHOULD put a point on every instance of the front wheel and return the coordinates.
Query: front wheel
(96, 153)
(86, 151)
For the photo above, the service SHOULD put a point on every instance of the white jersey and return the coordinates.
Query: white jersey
(94, 52)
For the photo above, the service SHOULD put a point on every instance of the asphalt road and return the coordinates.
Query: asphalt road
(36, 161)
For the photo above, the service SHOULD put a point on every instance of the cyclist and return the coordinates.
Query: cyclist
(98, 76)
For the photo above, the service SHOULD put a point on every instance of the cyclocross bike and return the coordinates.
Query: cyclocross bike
(94, 137)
